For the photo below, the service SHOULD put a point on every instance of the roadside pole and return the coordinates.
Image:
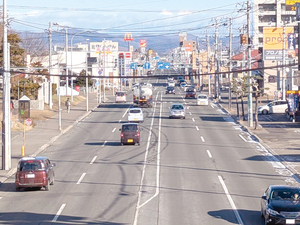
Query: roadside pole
(50, 65)
(249, 80)
(230, 63)
(208, 63)
(216, 59)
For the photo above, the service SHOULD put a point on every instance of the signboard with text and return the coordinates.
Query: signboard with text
(143, 43)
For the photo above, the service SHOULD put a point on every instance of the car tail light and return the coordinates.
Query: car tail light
(122, 135)
(138, 134)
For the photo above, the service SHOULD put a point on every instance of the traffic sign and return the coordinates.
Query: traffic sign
(160, 65)
(133, 66)
(147, 66)
(97, 84)
(167, 65)
(28, 122)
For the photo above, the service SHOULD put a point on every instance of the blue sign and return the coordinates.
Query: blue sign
(97, 84)
(156, 58)
(160, 65)
(133, 66)
(147, 66)
(167, 65)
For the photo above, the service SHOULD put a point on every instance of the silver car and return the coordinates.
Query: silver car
(177, 110)
(278, 106)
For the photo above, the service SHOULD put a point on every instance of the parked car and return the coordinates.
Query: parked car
(120, 96)
(170, 90)
(149, 72)
(130, 133)
(190, 93)
(281, 205)
(278, 106)
(202, 99)
(135, 115)
(34, 172)
(177, 110)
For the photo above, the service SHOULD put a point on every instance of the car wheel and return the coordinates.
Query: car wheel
(47, 187)
(52, 183)
(265, 112)
(18, 189)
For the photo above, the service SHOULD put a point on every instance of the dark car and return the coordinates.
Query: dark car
(130, 133)
(34, 172)
(190, 93)
(281, 205)
(170, 90)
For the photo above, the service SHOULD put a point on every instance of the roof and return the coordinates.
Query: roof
(254, 55)
(276, 187)
(33, 158)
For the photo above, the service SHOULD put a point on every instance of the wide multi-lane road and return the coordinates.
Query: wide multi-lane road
(200, 170)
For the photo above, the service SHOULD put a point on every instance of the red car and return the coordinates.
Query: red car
(34, 172)
(190, 93)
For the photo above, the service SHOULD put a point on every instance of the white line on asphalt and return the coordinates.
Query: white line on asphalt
(104, 143)
(93, 160)
(236, 212)
(114, 130)
(197, 127)
(190, 113)
(184, 100)
(202, 139)
(144, 167)
(212, 106)
(209, 154)
(120, 121)
(125, 113)
(81, 178)
(193, 119)
(59, 212)
(241, 136)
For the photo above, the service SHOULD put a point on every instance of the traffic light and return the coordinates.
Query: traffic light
(244, 39)
(197, 62)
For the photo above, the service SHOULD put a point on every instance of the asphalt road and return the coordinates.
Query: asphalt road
(200, 170)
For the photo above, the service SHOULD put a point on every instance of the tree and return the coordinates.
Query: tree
(26, 87)
(81, 80)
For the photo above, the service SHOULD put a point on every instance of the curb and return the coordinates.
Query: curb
(295, 173)
(12, 171)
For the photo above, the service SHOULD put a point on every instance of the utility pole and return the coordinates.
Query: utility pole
(249, 80)
(67, 73)
(50, 65)
(6, 137)
(230, 62)
(208, 63)
(283, 62)
(216, 58)
(87, 83)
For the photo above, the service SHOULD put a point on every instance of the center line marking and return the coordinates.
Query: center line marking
(81, 178)
(104, 143)
(209, 154)
(193, 119)
(125, 113)
(190, 113)
(120, 121)
(197, 127)
(202, 139)
(236, 212)
(114, 130)
(59, 212)
(93, 160)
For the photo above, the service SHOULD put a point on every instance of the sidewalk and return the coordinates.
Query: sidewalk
(45, 133)
(280, 136)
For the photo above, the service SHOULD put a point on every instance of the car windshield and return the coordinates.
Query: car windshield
(202, 97)
(30, 166)
(291, 195)
(129, 128)
(190, 90)
(120, 93)
(135, 111)
(177, 107)
(170, 88)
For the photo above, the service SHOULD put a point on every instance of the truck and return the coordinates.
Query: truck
(142, 95)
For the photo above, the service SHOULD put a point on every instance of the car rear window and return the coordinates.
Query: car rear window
(135, 111)
(202, 97)
(129, 128)
(120, 94)
(170, 88)
(30, 166)
(177, 107)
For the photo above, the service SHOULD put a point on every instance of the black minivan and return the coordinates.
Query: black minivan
(130, 133)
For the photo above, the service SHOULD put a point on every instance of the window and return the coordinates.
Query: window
(135, 111)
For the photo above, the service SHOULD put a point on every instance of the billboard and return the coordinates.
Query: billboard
(143, 43)
(128, 37)
(274, 42)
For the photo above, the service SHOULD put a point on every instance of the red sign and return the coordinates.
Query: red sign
(143, 43)
(188, 48)
(121, 55)
(128, 37)
(127, 55)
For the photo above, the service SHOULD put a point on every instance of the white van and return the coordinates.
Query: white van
(120, 96)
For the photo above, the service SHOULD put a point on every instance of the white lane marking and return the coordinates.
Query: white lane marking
(81, 178)
(144, 167)
(104, 143)
(193, 119)
(236, 212)
(184, 100)
(190, 113)
(120, 121)
(202, 139)
(59, 212)
(241, 136)
(114, 130)
(197, 127)
(125, 113)
(209, 154)
(212, 106)
(93, 160)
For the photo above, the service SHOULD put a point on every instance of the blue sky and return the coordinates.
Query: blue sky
(116, 16)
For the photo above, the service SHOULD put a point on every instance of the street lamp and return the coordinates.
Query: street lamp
(88, 31)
